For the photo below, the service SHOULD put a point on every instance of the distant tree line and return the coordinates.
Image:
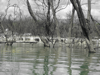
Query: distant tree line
(27, 25)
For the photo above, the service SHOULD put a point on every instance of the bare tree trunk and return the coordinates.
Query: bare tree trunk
(90, 18)
(48, 19)
(89, 11)
(45, 41)
(71, 26)
(95, 25)
(83, 24)
(89, 22)
(56, 22)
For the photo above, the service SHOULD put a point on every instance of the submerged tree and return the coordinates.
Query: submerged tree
(85, 30)
(45, 41)
(51, 18)
(7, 23)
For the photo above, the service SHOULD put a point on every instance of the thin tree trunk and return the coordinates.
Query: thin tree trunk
(56, 22)
(89, 22)
(94, 23)
(89, 11)
(70, 28)
(71, 24)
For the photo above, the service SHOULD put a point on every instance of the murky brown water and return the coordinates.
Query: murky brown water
(25, 59)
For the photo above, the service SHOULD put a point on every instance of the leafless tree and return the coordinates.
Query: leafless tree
(10, 25)
(77, 7)
(50, 18)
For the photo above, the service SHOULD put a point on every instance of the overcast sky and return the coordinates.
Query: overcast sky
(61, 14)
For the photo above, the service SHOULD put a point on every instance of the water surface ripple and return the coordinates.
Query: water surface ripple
(25, 59)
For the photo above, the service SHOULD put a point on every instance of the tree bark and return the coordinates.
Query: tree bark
(77, 7)
(89, 22)
(45, 41)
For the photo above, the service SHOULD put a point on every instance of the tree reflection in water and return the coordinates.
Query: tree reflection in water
(27, 60)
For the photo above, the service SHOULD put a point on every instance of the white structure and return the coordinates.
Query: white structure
(28, 39)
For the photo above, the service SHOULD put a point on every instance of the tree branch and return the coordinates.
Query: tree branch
(31, 12)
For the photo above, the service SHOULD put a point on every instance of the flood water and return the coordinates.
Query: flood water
(25, 59)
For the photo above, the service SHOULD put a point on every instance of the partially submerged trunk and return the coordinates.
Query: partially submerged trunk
(45, 41)
(90, 46)
(56, 22)
(70, 27)
(77, 7)
(89, 23)
(9, 42)
(9, 38)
